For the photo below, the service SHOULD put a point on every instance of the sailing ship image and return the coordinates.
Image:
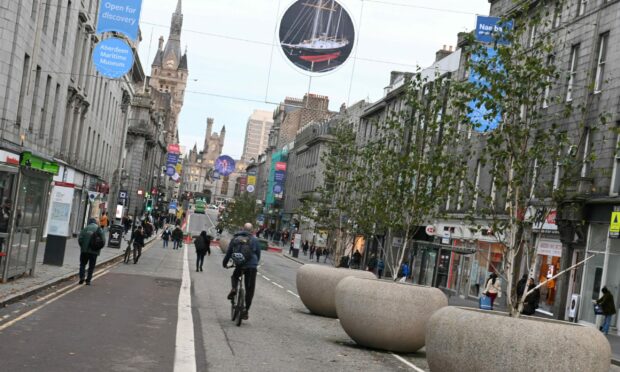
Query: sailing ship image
(317, 35)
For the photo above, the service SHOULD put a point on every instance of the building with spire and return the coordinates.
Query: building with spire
(169, 71)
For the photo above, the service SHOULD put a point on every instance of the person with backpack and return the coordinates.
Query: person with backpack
(245, 254)
(138, 243)
(165, 236)
(91, 241)
(202, 243)
(177, 237)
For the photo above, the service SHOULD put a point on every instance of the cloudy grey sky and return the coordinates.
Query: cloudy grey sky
(230, 54)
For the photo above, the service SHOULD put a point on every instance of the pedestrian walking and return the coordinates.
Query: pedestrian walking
(177, 237)
(138, 243)
(356, 259)
(318, 253)
(91, 241)
(493, 288)
(104, 220)
(312, 250)
(607, 308)
(404, 269)
(325, 254)
(201, 243)
(305, 248)
(530, 304)
(165, 236)
(380, 268)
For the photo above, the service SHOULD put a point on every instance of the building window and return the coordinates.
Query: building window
(534, 177)
(532, 36)
(615, 175)
(22, 89)
(66, 33)
(476, 185)
(558, 171)
(557, 14)
(545, 103)
(585, 160)
(572, 70)
(600, 65)
(581, 7)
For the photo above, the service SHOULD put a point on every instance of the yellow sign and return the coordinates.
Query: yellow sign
(251, 180)
(179, 168)
(614, 225)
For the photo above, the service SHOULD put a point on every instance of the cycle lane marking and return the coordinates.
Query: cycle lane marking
(406, 362)
(185, 349)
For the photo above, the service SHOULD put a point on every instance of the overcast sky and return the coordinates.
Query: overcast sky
(229, 78)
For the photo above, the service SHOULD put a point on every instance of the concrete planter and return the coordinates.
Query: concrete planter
(465, 340)
(316, 286)
(224, 242)
(386, 315)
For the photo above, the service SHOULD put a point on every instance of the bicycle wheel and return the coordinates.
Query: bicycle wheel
(240, 305)
(127, 254)
(233, 310)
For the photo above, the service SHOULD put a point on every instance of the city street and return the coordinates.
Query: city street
(128, 321)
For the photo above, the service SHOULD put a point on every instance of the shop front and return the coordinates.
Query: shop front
(24, 192)
(547, 264)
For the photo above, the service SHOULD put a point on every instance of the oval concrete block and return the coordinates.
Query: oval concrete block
(224, 241)
(316, 286)
(386, 315)
(466, 340)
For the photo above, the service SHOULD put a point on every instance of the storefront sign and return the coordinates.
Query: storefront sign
(174, 148)
(113, 57)
(548, 223)
(490, 29)
(122, 16)
(29, 160)
(281, 166)
(614, 225)
(59, 213)
(430, 230)
(548, 247)
(9, 158)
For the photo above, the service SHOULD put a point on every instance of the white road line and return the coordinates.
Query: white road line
(277, 285)
(265, 277)
(185, 354)
(293, 293)
(406, 362)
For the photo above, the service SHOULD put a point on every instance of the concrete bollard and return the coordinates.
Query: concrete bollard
(468, 340)
(386, 315)
(316, 286)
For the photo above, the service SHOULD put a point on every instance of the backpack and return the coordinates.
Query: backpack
(241, 250)
(96, 241)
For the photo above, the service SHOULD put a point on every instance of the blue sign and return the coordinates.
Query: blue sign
(122, 16)
(170, 170)
(277, 188)
(172, 159)
(216, 175)
(479, 115)
(490, 29)
(172, 205)
(279, 176)
(224, 165)
(113, 58)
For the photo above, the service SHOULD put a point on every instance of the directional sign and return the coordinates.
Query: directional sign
(121, 16)
(113, 57)
(614, 225)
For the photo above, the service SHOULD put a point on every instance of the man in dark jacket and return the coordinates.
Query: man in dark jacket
(606, 302)
(177, 237)
(249, 268)
(87, 254)
(201, 243)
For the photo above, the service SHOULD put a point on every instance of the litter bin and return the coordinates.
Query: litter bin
(296, 252)
(263, 244)
(115, 236)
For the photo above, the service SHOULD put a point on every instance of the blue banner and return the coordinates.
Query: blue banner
(488, 30)
(278, 188)
(170, 170)
(479, 115)
(113, 58)
(225, 165)
(279, 176)
(121, 16)
(172, 159)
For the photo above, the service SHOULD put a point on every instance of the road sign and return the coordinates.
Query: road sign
(430, 230)
(113, 57)
(120, 16)
(250, 188)
(614, 225)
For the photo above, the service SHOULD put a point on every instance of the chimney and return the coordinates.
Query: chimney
(442, 53)
(343, 108)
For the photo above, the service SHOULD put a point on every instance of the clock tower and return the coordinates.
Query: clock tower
(169, 71)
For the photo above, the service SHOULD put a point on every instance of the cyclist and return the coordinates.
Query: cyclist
(248, 268)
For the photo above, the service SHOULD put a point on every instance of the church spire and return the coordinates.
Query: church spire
(177, 23)
(179, 7)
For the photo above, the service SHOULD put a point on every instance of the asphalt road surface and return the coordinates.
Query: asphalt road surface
(147, 317)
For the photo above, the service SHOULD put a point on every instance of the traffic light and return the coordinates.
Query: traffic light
(149, 205)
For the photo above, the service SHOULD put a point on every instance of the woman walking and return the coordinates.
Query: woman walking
(493, 288)
(608, 308)
(201, 243)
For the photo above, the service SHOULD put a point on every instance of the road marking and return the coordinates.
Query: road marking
(185, 355)
(277, 285)
(293, 293)
(28, 313)
(406, 362)
(265, 277)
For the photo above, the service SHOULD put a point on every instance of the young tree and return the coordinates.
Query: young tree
(241, 210)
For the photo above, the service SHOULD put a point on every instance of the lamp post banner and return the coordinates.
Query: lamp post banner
(113, 58)
(121, 16)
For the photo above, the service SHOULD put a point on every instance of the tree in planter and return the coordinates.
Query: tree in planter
(530, 140)
(408, 166)
(241, 210)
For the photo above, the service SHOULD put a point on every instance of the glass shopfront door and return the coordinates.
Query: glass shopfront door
(8, 177)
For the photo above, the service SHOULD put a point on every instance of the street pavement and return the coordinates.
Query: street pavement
(137, 318)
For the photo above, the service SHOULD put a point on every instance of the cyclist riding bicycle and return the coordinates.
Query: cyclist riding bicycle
(243, 244)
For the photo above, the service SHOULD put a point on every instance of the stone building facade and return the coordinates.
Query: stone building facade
(256, 134)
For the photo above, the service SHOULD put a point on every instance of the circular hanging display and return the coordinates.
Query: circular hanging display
(225, 165)
(317, 36)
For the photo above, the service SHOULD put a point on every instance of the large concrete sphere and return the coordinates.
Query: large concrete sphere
(466, 340)
(224, 242)
(386, 315)
(316, 286)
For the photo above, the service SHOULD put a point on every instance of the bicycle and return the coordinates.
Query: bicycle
(238, 307)
(127, 252)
